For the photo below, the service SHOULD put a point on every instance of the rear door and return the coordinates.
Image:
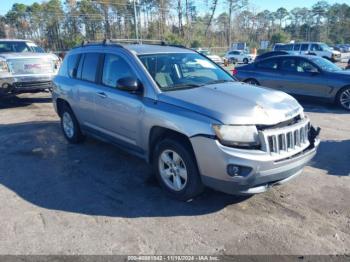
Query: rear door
(266, 72)
(86, 76)
(118, 113)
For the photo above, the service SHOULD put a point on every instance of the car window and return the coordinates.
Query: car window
(289, 47)
(315, 47)
(304, 47)
(73, 65)
(90, 65)
(296, 47)
(305, 66)
(289, 65)
(9, 46)
(115, 68)
(270, 64)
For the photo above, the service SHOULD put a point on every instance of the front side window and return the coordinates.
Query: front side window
(304, 47)
(90, 66)
(269, 64)
(305, 66)
(115, 68)
(289, 65)
(296, 47)
(315, 47)
(183, 70)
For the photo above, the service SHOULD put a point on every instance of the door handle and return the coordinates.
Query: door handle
(102, 94)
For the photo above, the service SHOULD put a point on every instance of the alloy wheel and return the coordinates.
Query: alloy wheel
(68, 125)
(172, 170)
(344, 98)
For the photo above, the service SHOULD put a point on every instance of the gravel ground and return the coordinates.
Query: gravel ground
(92, 198)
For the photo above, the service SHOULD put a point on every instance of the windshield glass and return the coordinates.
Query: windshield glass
(326, 65)
(183, 70)
(9, 46)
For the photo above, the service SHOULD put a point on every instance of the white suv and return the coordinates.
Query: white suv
(311, 48)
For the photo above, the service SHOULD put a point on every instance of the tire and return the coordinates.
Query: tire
(245, 61)
(343, 98)
(252, 81)
(70, 125)
(184, 169)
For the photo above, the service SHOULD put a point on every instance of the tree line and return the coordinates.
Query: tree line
(59, 25)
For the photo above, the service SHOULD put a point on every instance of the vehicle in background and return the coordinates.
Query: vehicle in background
(25, 67)
(310, 48)
(270, 54)
(185, 115)
(343, 48)
(239, 56)
(306, 75)
(215, 58)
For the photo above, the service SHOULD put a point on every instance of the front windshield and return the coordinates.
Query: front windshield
(183, 71)
(11, 46)
(326, 65)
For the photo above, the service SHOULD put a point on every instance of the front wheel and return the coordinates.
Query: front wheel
(343, 98)
(176, 169)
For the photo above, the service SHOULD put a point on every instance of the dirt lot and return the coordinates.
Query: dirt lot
(92, 198)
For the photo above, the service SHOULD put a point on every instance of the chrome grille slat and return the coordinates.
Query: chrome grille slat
(286, 140)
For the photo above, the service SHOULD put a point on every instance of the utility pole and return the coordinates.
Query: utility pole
(136, 22)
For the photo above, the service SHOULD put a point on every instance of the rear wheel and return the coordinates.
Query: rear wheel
(70, 125)
(343, 98)
(245, 60)
(176, 169)
(252, 82)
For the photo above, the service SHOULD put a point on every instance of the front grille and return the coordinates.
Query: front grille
(37, 84)
(286, 140)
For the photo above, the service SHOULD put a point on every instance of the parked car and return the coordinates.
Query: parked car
(25, 67)
(215, 58)
(310, 48)
(239, 56)
(343, 48)
(348, 65)
(185, 115)
(270, 54)
(300, 75)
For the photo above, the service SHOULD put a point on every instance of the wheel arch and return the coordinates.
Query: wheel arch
(60, 103)
(158, 133)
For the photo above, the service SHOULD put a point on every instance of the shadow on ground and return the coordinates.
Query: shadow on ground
(318, 106)
(334, 157)
(92, 178)
(13, 101)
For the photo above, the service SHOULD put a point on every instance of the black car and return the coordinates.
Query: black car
(301, 75)
(269, 54)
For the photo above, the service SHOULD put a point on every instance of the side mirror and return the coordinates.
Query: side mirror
(129, 84)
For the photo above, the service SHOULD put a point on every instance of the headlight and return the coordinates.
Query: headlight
(3, 66)
(237, 136)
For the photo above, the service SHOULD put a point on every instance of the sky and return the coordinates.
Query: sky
(259, 5)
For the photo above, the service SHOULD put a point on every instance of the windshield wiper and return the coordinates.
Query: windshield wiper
(218, 81)
(184, 85)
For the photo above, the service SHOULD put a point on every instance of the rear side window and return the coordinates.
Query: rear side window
(304, 47)
(73, 62)
(115, 68)
(270, 64)
(90, 65)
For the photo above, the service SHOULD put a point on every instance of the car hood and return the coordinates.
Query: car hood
(26, 55)
(236, 103)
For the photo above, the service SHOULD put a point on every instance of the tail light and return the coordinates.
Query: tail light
(234, 72)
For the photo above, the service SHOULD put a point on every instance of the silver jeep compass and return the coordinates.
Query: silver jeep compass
(185, 115)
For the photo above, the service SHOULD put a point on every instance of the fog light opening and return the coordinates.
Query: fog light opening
(236, 170)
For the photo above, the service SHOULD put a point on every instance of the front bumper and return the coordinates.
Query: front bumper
(265, 170)
(25, 83)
